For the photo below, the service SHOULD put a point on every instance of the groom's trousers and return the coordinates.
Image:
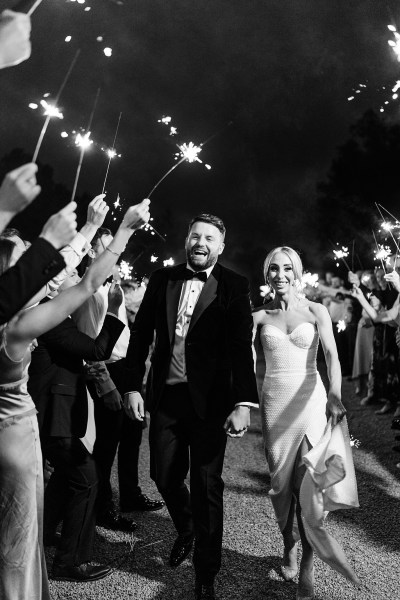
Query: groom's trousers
(179, 438)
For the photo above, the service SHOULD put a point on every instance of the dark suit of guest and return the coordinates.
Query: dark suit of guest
(57, 386)
(40, 263)
(188, 418)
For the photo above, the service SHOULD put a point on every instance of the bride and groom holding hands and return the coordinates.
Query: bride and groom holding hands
(202, 385)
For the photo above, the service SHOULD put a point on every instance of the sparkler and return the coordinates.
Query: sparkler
(84, 142)
(341, 325)
(111, 153)
(153, 258)
(49, 112)
(342, 254)
(389, 229)
(378, 251)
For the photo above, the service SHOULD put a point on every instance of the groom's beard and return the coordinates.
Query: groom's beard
(198, 263)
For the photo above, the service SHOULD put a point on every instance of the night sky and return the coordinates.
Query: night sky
(279, 71)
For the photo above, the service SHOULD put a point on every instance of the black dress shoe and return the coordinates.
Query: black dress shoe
(205, 592)
(80, 573)
(142, 502)
(180, 549)
(114, 521)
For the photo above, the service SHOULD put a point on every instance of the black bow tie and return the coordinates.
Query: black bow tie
(188, 274)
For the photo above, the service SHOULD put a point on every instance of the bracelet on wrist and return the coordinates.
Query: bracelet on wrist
(112, 251)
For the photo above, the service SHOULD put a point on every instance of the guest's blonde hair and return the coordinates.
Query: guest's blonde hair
(294, 259)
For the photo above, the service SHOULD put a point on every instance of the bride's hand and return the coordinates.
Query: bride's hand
(335, 408)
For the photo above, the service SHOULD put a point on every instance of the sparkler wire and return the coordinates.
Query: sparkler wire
(82, 152)
(377, 249)
(34, 7)
(389, 213)
(110, 157)
(47, 121)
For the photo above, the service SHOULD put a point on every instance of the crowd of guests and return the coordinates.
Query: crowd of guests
(365, 316)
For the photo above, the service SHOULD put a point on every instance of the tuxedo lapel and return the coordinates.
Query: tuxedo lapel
(208, 294)
(174, 287)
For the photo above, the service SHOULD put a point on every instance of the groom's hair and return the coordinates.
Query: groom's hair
(211, 219)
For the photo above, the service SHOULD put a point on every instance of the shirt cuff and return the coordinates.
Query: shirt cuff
(112, 314)
(79, 245)
(248, 404)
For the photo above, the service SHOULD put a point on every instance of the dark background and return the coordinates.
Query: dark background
(298, 165)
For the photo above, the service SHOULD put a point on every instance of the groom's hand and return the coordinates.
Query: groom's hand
(134, 406)
(238, 422)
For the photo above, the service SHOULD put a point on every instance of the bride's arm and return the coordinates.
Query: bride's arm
(334, 405)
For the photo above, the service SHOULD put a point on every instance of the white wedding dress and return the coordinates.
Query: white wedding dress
(293, 405)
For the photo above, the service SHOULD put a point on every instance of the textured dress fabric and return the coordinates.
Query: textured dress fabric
(293, 407)
(22, 565)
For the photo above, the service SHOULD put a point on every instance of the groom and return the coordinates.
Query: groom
(200, 388)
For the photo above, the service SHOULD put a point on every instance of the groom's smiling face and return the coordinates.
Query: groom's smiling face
(203, 246)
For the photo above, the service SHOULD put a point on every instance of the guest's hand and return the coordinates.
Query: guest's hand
(136, 216)
(394, 278)
(113, 400)
(15, 45)
(356, 292)
(237, 422)
(60, 229)
(354, 279)
(335, 408)
(115, 297)
(18, 189)
(134, 406)
(97, 211)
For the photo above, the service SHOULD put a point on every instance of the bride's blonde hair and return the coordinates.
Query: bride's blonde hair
(294, 259)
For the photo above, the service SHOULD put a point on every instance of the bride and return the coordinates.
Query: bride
(294, 409)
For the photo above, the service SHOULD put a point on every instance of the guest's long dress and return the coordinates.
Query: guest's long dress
(363, 350)
(23, 573)
(293, 407)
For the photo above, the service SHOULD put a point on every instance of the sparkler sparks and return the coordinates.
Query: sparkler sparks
(342, 254)
(383, 253)
(83, 141)
(153, 258)
(310, 279)
(117, 203)
(125, 270)
(50, 110)
(341, 325)
(169, 262)
(189, 152)
(354, 442)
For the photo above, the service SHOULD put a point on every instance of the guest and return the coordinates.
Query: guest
(114, 429)
(58, 389)
(22, 569)
(38, 264)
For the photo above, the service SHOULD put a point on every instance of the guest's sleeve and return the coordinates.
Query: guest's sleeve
(72, 254)
(40, 263)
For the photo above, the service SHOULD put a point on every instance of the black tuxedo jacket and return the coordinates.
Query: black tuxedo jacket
(40, 263)
(218, 346)
(57, 379)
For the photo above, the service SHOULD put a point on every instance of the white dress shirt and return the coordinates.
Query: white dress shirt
(191, 290)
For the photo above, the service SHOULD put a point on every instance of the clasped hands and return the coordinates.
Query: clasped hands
(235, 425)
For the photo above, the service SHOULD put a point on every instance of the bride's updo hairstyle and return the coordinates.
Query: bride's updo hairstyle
(294, 259)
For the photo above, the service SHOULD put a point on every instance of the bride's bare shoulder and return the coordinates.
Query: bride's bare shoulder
(260, 312)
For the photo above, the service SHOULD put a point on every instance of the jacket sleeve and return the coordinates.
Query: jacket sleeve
(142, 335)
(66, 337)
(240, 332)
(40, 263)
